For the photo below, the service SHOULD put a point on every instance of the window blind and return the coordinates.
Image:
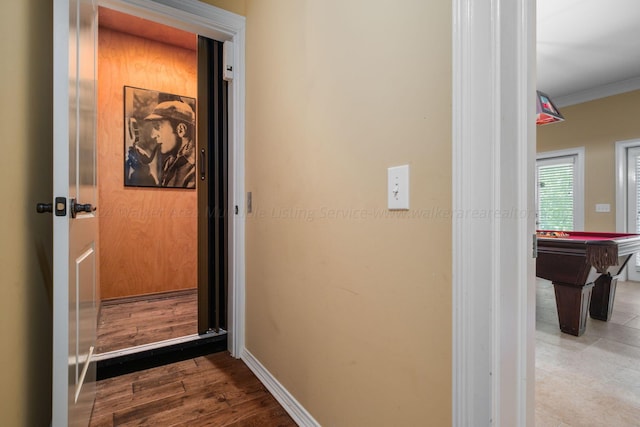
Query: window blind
(556, 196)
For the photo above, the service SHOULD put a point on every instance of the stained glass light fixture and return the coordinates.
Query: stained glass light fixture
(546, 111)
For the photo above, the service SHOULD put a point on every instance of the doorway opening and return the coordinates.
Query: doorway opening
(163, 264)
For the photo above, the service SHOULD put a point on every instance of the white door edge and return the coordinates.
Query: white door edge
(60, 224)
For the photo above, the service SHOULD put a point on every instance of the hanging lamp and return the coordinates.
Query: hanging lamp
(546, 111)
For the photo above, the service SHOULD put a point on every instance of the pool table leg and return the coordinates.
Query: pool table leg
(604, 293)
(572, 303)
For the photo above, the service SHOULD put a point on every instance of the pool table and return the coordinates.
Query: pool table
(584, 269)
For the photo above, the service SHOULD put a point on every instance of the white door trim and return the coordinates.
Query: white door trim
(493, 170)
(621, 182)
(221, 25)
(621, 188)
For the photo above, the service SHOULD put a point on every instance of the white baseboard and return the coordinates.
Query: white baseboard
(299, 414)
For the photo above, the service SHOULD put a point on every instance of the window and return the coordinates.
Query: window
(559, 190)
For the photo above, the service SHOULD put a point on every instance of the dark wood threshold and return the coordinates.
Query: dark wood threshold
(164, 355)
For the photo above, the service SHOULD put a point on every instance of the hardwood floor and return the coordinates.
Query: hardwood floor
(131, 322)
(592, 380)
(213, 390)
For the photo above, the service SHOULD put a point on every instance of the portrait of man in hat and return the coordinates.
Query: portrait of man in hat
(159, 139)
(172, 130)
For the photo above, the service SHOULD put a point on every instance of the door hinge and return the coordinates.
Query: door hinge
(535, 246)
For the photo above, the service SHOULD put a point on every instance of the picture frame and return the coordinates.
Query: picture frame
(159, 139)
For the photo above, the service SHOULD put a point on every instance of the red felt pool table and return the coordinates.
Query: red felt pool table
(584, 269)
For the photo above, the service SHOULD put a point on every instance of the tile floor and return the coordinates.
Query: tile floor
(592, 380)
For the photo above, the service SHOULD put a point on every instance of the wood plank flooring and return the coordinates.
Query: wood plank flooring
(592, 380)
(131, 322)
(213, 390)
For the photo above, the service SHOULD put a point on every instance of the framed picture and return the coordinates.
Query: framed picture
(159, 139)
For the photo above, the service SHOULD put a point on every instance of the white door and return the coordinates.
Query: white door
(633, 206)
(75, 234)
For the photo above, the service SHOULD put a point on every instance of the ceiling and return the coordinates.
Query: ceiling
(150, 30)
(587, 49)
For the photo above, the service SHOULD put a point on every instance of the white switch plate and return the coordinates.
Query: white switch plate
(603, 207)
(398, 187)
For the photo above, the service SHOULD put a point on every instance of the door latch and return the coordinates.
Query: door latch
(60, 207)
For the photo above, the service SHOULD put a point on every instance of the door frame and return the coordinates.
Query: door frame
(493, 275)
(621, 181)
(215, 23)
(621, 187)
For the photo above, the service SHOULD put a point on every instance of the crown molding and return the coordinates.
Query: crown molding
(598, 92)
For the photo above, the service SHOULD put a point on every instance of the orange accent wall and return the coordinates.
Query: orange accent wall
(148, 237)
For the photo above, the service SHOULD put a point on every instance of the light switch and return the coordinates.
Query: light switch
(398, 187)
(603, 207)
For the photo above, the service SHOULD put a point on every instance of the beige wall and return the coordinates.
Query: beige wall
(148, 236)
(235, 6)
(348, 304)
(25, 237)
(596, 125)
(352, 314)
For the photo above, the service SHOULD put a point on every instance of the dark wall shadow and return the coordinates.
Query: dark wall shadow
(38, 173)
